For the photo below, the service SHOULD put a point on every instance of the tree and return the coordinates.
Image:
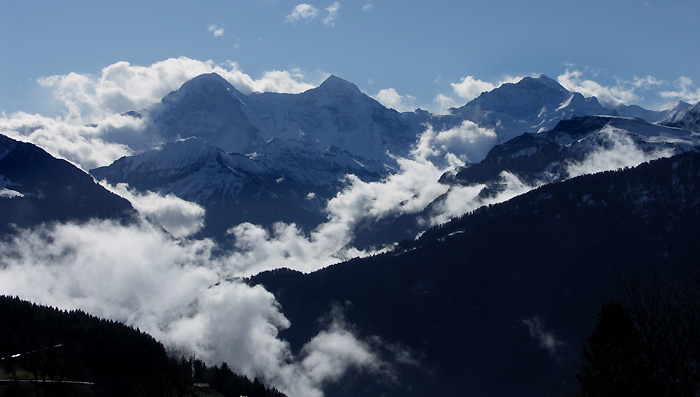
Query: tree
(614, 359)
(648, 343)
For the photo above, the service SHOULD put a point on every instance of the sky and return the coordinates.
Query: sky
(407, 53)
(66, 65)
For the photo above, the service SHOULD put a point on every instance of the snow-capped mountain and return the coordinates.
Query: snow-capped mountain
(550, 156)
(530, 105)
(278, 183)
(37, 188)
(685, 117)
(335, 114)
(267, 157)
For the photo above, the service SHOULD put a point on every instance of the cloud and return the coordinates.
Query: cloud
(93, 130)
(624, 91)
(179, 217)
(175, 290)
(622, 152)
(546, 339)
(86, 146)
(302, 11)
(469, 88)
(444, 103)
(122, 87)
(368, 6)
(216, 30)
(685, 90)
(391, 99)
(459, 200)
(332, 15)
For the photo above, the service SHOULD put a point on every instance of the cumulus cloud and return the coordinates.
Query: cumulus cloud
(94, 131)
(390, 98)
(685, 90)
(332, 14)
(302, 11)
(216, 30)
(176, 291)
(469, 88)
(122, 87)
(86, 146)
(623, 92)
(179, 217)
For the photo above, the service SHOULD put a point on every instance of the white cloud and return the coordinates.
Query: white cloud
(368, 6)
(390, 98)
(302, 11)
(685, 90)
(84, 145)
(332, 15)
(216, 30)
(444, 103)
(175, 291)
(92, 131)
(469, 88)
(622, 152)
(624, 91)
(179, 217)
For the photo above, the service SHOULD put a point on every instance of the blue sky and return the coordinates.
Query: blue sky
(416, 51)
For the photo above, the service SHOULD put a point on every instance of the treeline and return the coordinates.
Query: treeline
(50, 352)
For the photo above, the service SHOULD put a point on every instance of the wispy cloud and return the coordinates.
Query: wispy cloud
(623, 92)
(685, 90)
(545, 338)
(302, 12)
(332, 14)
(216, 30)
(368, 6)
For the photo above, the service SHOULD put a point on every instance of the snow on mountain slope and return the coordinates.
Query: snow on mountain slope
(602, 142)
(336, 114)
(530, 105)
(211, 109)
(276, 183)
(688, 118)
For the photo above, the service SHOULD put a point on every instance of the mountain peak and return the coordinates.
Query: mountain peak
(335, 84)
(208, 83)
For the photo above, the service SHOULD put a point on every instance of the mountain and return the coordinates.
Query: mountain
(547, 157)
(264, 158)
(687, 118)
(87, 356)
(37, 188)
(500, 301)
(278, 183)
(268, 157)
(530, 105)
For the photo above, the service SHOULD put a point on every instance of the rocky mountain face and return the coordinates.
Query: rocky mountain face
(37, 188)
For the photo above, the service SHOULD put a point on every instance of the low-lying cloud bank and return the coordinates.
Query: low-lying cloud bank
(176, 291)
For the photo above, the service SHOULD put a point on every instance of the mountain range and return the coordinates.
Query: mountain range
(264, 158)
(500, 288)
